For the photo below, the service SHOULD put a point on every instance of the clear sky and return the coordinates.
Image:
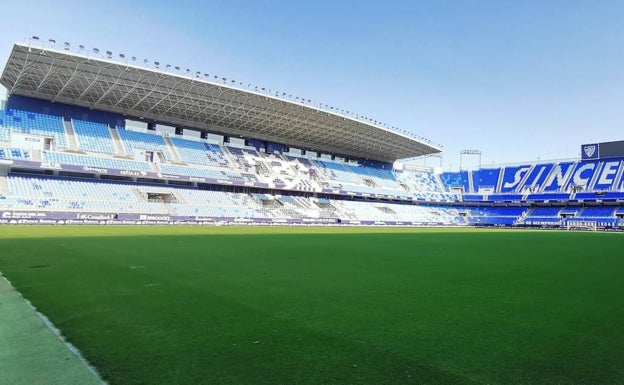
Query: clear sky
(518, 80)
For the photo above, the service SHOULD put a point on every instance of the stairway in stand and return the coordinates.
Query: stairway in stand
(119, 148)
(72, 141)
(172, 150)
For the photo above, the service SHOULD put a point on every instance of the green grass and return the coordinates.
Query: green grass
(176, 305)
(30, 353)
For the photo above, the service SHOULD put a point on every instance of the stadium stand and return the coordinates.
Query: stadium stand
(336, 172)
(495, 216)
(27, 193)
(543, 216)
(540, 182)
(199, 152)
(512, 178)
(52, 157)
(486, 179)
(13, 153)
(210, 163)
(598, 212)
(34, 124)
(134, 141)
(505, 197)
(151, 169)
(199, 172)
(5, 133)
(93, 137)
(68, 195)
(454, 180)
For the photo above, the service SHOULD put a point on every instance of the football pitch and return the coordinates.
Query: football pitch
(225, 305)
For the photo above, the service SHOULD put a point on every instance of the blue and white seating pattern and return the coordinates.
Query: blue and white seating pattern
(29, 193)
(598, 212)
(365, 211)
(92, 161)
(58, 194)
(358, 188)
(336, 172)
(456, 180)
(135, 141)
(512, 177)
(242, 157)
(197, 172)
(559, 181)
(486, 178)
(195, 152)
(5, 134)
(544, 182)
(92, 136)
(14, 153)
(218, 204)
(494, 216)
(424, 186)
(544, 215)
(35, 124)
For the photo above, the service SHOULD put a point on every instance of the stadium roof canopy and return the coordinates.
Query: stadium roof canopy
(192, 102)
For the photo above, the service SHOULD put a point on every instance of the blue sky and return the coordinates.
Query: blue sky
(519, 80)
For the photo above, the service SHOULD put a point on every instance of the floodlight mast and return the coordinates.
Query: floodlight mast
(469, 152)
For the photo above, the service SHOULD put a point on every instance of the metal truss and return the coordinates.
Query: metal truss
(188, 102)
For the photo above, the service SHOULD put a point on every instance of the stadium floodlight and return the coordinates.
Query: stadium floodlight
(52, 41)
(156, 64)
(81, 47)
(96, 50)
(122, 56)
(35, 38)
(469, 152)
(133, 58)
(109, 54)
(66, 46)
(145, 61)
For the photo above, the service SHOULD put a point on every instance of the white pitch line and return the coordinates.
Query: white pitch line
(57, 332)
